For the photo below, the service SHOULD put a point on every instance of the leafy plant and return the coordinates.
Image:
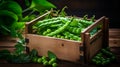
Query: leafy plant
(11, 14)
(13, 7)
(40, 5)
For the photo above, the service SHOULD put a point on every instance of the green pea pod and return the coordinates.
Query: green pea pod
(61, 29)
(85, 22)
(72, 36)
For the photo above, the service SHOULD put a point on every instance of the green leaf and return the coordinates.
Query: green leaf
(13, 7)
(51, 55)
(7, 17)
(21, 37)
(13, 32)
(1, 3)
(33, 53)
(18, 25)
(19, 49)
(85, 17)
(22, 58)
(41, 5)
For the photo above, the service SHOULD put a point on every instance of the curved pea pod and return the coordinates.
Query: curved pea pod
(72, 36)
(55, 36)
(80, 25)
(44, 33)
(78, 30)
(59, 30)
(47, 31)
(58, 36)
(66, 37)
(56, 25)
(74, 30)
(86, 23)
(62, 37)
(77, 38)
(64, 19)
(47, 21)
(85, 17)
(74, 22)
(92, 18)
(41, 28)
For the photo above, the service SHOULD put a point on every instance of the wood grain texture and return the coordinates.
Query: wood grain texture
(114, 37)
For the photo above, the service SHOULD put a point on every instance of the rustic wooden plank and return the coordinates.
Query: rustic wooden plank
(106, 32)
(95, 46)
(87, 47)
(96, 43)
(114, 42)
(11, 49)
(114, 32)
(114, 37)
(7, 43)
(64, 49)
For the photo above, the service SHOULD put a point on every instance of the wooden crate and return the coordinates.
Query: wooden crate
(69, 50)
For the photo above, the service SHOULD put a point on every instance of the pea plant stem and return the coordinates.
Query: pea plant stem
(25, 10)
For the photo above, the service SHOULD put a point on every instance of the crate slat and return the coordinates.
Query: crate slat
(68, 49)
(114, 37)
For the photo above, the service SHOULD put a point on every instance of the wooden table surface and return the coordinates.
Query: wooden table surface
(114, 43)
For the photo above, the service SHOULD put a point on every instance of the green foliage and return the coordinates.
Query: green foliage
(10, 14)
(4, 54)
(13, 7)
(11, 20)
(41, 5)
(7, 17)
(33, 53)
(27, 2)
(51, 55)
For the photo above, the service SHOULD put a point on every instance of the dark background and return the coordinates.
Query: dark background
(99, 8)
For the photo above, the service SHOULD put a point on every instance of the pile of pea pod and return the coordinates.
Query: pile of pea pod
(104, 57)
(63, 27)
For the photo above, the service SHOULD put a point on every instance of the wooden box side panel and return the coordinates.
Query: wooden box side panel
(96, 43)
(65, 50)
(100, 39)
